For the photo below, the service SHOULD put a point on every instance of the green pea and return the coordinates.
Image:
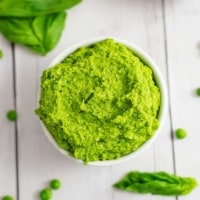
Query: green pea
(46, 194)
(12, 115)
(180, 133)
(198, 91)
(7, 197)
(1, 53)
(55, 184)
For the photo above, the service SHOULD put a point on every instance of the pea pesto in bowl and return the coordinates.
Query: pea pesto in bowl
(100, 103)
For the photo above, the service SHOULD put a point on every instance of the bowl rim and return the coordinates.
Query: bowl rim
(158, 78)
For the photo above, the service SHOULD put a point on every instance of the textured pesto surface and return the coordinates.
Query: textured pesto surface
(100, 103)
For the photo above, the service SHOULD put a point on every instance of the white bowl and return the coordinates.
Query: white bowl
(158, 79)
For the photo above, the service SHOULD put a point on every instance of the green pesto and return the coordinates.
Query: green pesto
(100, 103)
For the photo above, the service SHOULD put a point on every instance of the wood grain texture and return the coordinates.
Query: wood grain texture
(168, 30)
(7, 128)
(183, 36)
(38, 160)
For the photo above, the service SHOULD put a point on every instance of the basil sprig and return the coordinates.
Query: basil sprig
(37, 24)
(157, 183)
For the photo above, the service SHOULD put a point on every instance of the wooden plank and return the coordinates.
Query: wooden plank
(38, 160)
(183, 33)
(7, 132)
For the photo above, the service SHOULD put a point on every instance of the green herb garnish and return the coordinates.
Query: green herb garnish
(36, 24)
(40, 34)
(55, 184)
(46, 194)
(157, 183)
(12, 115)
(180, 133)
(32, 8)
(7, 197)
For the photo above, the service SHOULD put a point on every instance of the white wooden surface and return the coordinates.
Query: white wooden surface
(169, 31)
(7, 129)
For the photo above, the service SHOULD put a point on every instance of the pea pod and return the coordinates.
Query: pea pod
(157, 183)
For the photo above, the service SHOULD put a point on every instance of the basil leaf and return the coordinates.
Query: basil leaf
(158, 183)
(40, 34)
(30, 8)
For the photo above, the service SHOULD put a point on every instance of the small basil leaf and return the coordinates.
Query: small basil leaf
(32, 8)
(40, 34)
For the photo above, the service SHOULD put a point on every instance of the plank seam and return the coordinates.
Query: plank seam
(168, 82)
(16, 125)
